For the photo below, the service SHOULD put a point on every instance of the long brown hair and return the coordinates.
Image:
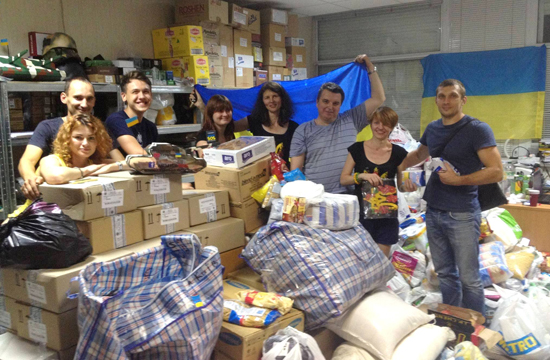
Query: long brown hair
(215, 104)
(61, 144)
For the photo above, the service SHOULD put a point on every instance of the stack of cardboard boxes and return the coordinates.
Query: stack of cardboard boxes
(15, 104)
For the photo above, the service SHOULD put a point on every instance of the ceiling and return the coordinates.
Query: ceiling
(320, 7)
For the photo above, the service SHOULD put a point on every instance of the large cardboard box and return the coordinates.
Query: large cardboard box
(237, 17)
(231, 261)
(260, 77)
(244, 71)
(152, 189)
(206, 205)
(240, 152)
(296, 57)
(8, 311)
(57, 331)
(214, 54)
(275, 73)
(210, 33)
(273, 35)
(253, 19)
(165, 218)
(227, 53)
(178, 41)
(240, 183)
(216, 76)
(245, 276)
(292, 29)
(226, 234)
(191, 12)
(242, 42)
(228, 71)
(92, 198)
(274, 16)
(175, 65)
(293, 41)
(298, 74)
(274, 56)
(197, 68)
(250, 212)
(113, 232)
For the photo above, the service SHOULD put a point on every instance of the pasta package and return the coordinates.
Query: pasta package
(266, 300)
(239, 313)
(519, 263)
(294, 209)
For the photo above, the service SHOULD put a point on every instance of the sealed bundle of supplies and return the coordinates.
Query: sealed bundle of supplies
(333, 212)
(324, 272)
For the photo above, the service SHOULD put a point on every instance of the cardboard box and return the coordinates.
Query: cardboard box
(240, 183)
(102, 79)
(226, 234)
(287, 74)
(191, 12)
(214, 54)
(246, 276)
(113, 232)
(8, 311)
(56, 331)
(260, 77)
(231, 261)
(178, 41)
(242, 42)
(292, 41)
(253, 19)
(206, 205)
(176, 66)
(274, 56)
(296, 57)
(244, 77)
(299, 74)
(227, 53)
(210, 33)
(245, 343)
(165, 218)
(231, 287)
(274, 16)
(273, 35)
(228, 71)
(92, 198)
(253, 148)
(15, 102)
(258, 53)
(197, 68)
(292, 29)
(151, 189)
(226, 41)
(216, 76)
(253, 215)
(36, 42)
(275, 73)
(237, 17)
(466, 324)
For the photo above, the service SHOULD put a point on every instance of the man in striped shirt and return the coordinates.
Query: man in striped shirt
(319, 147)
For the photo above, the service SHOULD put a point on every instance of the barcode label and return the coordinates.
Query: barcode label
(196, 51)
(203, 81)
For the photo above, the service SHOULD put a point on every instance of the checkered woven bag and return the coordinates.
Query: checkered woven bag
(163, 303)
(324, 271)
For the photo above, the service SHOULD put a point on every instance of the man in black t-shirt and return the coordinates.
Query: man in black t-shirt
(130, 130)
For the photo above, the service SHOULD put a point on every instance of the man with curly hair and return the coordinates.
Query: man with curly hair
(79, 96)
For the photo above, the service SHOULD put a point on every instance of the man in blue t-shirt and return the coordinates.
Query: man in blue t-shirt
(453, 216)
(130, 130)
(320, 147)
(79, 96)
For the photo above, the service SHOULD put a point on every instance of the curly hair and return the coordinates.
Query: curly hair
(215, 104)
(260, 111)
(61, 143)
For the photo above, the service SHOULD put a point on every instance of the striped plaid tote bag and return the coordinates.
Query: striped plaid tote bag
(162, 303)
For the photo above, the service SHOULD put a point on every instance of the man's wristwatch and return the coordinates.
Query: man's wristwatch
(373, 71)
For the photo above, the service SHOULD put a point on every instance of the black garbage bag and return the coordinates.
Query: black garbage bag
(42, 237)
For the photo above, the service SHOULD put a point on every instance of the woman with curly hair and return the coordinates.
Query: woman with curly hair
(80, 149)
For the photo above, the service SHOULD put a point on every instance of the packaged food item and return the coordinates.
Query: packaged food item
(273, 191)
(276, 213)
(277, 166)
(411, 264)
(379, 201)
(294, 209)
(260, 194)
(165, 158)
(437, 164)
(294, 175)
(492, 264)
(418, 177)
(519, 263)
(266, 300)
(239, 313)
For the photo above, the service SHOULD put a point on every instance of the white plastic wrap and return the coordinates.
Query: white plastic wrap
(332, 211)
(276, 213)
(303, 188)
(291, 344)
(399, 286)
(492, 264)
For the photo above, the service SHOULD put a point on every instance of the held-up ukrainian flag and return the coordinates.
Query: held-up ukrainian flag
(504, 88)
(132, 121)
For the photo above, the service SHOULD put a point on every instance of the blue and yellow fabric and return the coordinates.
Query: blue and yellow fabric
(504, 88)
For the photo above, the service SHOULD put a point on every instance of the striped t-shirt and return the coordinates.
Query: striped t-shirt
(326, 147)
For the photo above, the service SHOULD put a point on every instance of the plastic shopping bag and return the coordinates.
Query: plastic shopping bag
(291, 344)
(379, 202)
(162, 303)
(492, 264)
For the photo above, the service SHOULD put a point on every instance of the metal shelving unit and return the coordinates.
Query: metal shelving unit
(8, 139)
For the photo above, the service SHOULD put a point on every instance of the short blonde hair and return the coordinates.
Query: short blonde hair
(386, 115)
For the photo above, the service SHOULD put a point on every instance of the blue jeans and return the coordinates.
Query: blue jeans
(454, 244)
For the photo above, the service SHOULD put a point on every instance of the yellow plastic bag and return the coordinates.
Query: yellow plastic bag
(259, 195)
(519, 263)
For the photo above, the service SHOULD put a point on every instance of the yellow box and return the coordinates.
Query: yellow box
(198, 69)
(178, 41)
(176, 66)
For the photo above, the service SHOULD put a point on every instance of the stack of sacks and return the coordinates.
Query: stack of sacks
(332, 212)
(324, 272)
(382, 326)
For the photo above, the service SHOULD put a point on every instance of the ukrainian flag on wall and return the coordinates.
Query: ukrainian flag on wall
(504, 88)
